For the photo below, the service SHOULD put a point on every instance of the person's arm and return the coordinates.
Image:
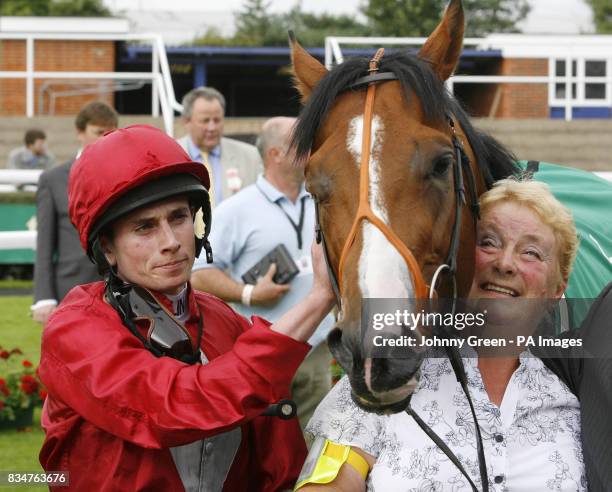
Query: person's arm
(45, 297)
(218, 283)
(348, 479)
(93, 365)
(595, 341)
(302, 320)
(280, 450)
(227, 243)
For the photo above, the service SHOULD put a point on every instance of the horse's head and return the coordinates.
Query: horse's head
(381, 167)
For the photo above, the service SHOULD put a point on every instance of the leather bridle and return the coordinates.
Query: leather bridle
(461, 164)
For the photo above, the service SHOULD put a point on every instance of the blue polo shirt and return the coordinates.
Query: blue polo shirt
(250, 224)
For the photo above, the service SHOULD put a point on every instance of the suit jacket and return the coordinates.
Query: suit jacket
(587, 371)
(235, 155)
(61, 262)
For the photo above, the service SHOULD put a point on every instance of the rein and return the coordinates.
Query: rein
(461, 164)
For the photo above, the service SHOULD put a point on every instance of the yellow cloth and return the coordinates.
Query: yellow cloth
(211, 191)
(329, 462)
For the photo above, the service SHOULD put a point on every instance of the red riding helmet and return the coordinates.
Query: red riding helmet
(127, 169)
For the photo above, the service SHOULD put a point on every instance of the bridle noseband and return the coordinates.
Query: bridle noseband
(461, 164)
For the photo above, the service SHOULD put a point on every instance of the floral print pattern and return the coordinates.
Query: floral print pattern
(531, 441)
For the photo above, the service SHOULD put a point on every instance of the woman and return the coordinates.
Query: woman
(529, 419)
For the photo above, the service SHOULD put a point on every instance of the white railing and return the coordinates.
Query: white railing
(333, 52)
(18, 240)
(19, 177)
(159, 77)
(333, 55)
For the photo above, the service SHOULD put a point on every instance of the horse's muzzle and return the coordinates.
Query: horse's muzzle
(380, 385)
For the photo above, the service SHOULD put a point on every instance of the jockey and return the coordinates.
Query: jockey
(152, 385)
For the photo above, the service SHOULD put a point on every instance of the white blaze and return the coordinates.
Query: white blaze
(383, 273)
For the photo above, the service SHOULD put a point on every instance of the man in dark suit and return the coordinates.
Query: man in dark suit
(231, 164)
(586, 369)
(60, 261)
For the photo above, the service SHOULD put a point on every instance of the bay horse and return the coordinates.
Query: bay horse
(390, 156)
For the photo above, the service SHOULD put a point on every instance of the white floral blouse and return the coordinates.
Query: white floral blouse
(531, 442)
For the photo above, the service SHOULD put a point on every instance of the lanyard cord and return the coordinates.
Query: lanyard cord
(296, 227)
(300, 225)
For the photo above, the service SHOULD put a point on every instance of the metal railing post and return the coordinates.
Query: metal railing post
(328, 54)
(450, 86)
(155, 71)
(569, 75)
(165, 72)
(30, 76)
(167, 112)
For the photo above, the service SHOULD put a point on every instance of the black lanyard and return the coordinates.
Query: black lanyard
(296, 227)
(300, 225)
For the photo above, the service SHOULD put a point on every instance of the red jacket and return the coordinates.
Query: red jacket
(114, 409)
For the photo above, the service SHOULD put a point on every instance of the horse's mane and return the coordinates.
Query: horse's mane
(494, 160)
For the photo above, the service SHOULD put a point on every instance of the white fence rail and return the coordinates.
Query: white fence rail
(18, 240)
(162, 89)
(573, 87)
(19, 177)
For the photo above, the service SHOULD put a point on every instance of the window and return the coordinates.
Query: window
(589, 86)
(560, 91)
(560, 68)
(595, 68)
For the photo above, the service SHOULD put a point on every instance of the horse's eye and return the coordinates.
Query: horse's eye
(441, 166)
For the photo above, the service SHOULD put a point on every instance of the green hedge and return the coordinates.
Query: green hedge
(16, 284)
(18, 198)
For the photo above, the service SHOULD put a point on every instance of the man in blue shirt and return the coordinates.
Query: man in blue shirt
(231, 164)
(275, 210)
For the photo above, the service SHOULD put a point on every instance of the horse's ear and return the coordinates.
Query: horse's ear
(443, 47)
(307, 70)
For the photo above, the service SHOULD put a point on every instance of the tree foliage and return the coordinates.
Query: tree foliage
(602, 15)
(420, 17)
(257, 26)
(42, 8)
(253, 23)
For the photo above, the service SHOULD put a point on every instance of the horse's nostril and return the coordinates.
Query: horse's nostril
(389, 374)
(340, 349)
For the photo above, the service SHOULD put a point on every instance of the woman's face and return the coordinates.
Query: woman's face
(516, 256)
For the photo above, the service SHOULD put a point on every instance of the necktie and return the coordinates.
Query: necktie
(211, 191)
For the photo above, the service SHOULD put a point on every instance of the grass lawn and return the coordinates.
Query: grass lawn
(19, 449)
(16, 284)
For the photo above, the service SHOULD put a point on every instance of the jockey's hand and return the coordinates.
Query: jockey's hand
(266, 291)
(321, 284)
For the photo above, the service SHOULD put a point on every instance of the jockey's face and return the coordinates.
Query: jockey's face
(154, 246)
(205, 126)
